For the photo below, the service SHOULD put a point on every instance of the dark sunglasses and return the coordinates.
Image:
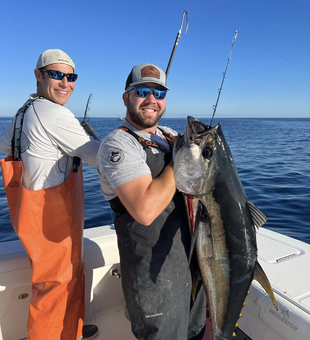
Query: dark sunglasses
(71, 77)
(143, 91)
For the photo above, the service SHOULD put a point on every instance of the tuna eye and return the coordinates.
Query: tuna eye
(207, 153)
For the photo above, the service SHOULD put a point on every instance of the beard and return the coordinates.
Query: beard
(143, 120)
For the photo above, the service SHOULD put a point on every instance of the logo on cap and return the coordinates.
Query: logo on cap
(64, 60)
(150, 71)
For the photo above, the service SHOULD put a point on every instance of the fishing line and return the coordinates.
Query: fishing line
(224, 74)
(279, 55)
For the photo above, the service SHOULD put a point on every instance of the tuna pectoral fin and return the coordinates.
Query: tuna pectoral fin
(195, 231)
(260, 276)
(257, 216)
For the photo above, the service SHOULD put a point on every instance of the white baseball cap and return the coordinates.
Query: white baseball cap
(54, 56)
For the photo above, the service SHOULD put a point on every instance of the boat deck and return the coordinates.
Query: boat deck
(284, 260)
(114, 323)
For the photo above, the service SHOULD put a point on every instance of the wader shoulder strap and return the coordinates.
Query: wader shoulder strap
(168, 137)
(146, 143)
(16, 145)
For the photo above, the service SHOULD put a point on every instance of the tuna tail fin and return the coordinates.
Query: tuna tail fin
(260, 276)
(258, 217)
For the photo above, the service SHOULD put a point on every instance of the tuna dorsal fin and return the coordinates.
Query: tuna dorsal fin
(260, 276)
(257, 216)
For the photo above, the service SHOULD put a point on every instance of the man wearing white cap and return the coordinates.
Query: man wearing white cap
(46, 198)
(134, 164)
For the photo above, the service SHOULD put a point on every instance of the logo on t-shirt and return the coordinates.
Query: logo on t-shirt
(116, 156)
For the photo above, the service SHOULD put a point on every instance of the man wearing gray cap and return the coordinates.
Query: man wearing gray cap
(44, 194)
(135, 167)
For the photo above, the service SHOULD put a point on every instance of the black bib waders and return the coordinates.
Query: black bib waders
(156, 279)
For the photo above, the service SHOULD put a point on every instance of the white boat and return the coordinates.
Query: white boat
(284, 260)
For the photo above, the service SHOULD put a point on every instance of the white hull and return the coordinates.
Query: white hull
(285, 261)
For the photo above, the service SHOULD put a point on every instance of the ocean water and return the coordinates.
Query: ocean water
(272, 157)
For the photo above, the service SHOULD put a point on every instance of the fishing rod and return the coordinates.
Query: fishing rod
(86, 109)
(177, 41)
(89, 130)
(224, 74)
(86, 119)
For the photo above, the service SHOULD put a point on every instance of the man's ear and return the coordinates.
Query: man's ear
(38, 74)
(125, 98)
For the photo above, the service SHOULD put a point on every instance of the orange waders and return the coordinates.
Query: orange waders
(49, 223)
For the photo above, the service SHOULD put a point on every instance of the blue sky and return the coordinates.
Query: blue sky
(268, 74)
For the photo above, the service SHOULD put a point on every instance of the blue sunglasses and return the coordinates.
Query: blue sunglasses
(71, 77)
(143, 91)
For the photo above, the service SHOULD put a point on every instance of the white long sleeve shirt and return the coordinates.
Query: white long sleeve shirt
(51, 137)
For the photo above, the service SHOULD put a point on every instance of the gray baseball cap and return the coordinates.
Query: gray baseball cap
(54, 56)
(146, 73)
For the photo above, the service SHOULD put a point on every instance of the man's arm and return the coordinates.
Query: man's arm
(145, 198)
(65, 129)
(6, 139)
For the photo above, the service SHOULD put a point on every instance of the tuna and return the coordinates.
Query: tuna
(223, 223)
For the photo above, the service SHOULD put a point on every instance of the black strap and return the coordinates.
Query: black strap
(76, 164)
(168, 137)
(16, 150)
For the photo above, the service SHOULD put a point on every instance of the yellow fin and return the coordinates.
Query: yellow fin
(260, 276)
(196, 280)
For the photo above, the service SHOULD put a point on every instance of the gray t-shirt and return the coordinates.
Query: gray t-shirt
(121, 158)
